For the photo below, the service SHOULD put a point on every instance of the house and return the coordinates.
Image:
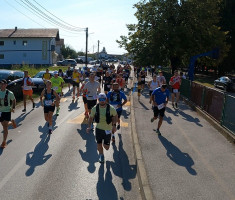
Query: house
(28, 46)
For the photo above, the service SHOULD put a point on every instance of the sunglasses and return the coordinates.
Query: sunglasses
(102, 99)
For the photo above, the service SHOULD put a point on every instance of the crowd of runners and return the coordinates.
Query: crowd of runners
(102, 89)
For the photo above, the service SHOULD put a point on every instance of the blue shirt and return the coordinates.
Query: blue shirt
(115, 101)
(159, 96)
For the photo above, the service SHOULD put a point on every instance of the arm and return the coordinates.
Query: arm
(42, 95)
(13, 105)
(149, 84)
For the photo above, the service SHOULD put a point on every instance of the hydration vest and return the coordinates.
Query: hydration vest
(118, 96)
(5, 101)
(52, 95)
(108, 116)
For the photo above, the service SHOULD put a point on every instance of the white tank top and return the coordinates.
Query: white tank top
(153, 85)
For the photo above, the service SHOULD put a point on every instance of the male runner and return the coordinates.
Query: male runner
(76, 80)
(105, 116)
(175, 83)
(107, 82)
(69, 74)
(160, 97)
(153, 84)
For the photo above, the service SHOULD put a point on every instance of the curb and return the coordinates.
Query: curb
(226, 133)
(145, 189)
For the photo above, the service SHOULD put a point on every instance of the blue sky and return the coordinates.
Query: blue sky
(106, 20)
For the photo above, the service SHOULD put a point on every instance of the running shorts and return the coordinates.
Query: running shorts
(173, 89)
(75, 84)
(150, 93)
(91, 104)
(28, 92)
(101, 136)
(48, 109)
(158, 112)
(119, 113)
(5, 116)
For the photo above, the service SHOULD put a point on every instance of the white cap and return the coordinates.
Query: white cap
(102, 95)
(56, 72)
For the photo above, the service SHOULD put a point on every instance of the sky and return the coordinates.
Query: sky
(106, 20)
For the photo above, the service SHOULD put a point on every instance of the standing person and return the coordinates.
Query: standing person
(92, 87)
(69, 74)
(160, 97)
(175, 83)
(76, 80)
(84, 98)
(57, 85)
(105, 116)
(161, 79)
(27, 89)
(153, 84)
(48, 98)
(117, 99)
(107, 82)
(46, 76)
(6, 108)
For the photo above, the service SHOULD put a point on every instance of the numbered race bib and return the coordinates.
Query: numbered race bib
(75, 79)
(48, 102)
(108, 86)
(175, 90)
(55, 88)
(108, 132)
(161, 106)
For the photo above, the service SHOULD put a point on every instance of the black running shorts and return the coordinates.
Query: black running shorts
(101, 136)
(75, 84)
(119, 113)
(5, 116)
(158, 112)
(48, 109)
(84, 100)
(91, 104)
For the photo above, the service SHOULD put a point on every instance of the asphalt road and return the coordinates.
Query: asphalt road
(64, 165)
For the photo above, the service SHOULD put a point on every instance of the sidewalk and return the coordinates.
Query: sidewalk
(191, 160)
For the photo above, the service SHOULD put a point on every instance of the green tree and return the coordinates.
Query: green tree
(68, 52)
(170, 32)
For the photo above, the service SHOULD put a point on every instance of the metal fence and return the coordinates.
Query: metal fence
(217, 104)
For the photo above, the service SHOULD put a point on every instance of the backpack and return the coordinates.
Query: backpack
(108, 116)
(118, 96)
(27, 82)
(5, 99)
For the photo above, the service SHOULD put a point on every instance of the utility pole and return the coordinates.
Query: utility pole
(98, 49)
(86, 46)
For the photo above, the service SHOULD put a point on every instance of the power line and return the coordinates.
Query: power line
(56, 16)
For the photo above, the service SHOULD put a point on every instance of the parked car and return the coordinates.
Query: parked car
(67, 62)
(225, 83)
(38, 81)
(14, 79)
(79, 60)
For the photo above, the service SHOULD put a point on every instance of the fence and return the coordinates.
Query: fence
(217, 104)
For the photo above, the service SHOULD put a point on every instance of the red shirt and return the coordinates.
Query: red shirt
(176, 82)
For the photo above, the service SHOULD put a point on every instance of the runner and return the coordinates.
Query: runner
(76, 80)
(107, 82)
(92, 88)
(139, 86)
(99, 74)
(84, 98)
(46, 76)
(161, 79)
(27, 89)
(120, 81)
(48, 98)
(153, 84)
(105, 116)
(160, 97)
(175, 83)
(69, 74)
(142, 74)
(6, 108)
(57, 85)
(115, 98)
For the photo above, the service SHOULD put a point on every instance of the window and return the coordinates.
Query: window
(14, 42)
(1, 56)
(25, 43)
(1, 43)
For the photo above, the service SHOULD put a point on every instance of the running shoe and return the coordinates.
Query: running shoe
(176, 105)
(101, 158)
(13, 123)
(24, 110)
(152, 120)
(50, 131)
(33, 105)
(3, 145)
(57, 111)
(158, 132)
(113, 139)
(118, 126)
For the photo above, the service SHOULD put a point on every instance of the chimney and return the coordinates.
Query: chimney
(16, 28)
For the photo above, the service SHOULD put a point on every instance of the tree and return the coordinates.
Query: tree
(170, 32)
(68, 52)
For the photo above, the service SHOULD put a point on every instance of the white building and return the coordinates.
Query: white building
(28, 46)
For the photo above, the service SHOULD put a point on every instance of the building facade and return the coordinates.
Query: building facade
(28, 46)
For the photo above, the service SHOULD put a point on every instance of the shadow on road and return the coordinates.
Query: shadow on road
(90, 155)
(105, 187)
(73, 105)
(38, 157)
(1, 149)
(125, 114)
(22, 117)
(178, 157)
(121, 166)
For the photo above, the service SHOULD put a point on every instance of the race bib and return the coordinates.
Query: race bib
(55, 88)
(161, 106)
(142, 79)
(175, 90)
(75, 79)
(48, 102)
(108, 86)
(108, 132)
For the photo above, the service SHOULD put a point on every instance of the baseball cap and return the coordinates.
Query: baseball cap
(102, 96)
(55, 72)
(86, 80)
(3, 81)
